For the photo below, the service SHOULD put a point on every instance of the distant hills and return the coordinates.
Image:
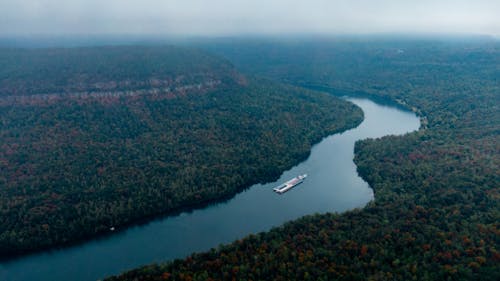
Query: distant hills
(109, 71)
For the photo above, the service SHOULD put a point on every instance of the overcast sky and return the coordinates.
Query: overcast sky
(229, 17)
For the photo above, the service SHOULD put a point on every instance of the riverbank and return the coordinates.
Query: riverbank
(84, 153)
(435, 216)
(333, 185)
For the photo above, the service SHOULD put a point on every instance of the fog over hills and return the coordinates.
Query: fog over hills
(225, 17)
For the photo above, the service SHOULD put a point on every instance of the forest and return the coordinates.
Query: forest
(94, 139)
(106, 68)
(436, 211)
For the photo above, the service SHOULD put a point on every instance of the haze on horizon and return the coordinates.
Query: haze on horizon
(230, 17)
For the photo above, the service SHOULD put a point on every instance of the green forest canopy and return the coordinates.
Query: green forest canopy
(437, 191)
(126, 147)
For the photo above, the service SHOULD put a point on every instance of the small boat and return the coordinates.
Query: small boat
(290, 184)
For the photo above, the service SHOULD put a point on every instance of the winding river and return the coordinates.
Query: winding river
(333, 185)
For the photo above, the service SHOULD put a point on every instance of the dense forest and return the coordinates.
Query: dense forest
(108, 68)
(436, 211)
(98, 138)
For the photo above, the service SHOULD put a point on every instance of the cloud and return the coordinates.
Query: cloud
(227, 17)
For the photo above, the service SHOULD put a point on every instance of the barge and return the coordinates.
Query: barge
(290, 184)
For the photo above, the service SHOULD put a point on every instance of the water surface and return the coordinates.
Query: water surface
(333, 185)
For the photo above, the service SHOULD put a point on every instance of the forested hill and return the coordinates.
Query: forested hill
(436, 211)
(98, 138)
(109, 71)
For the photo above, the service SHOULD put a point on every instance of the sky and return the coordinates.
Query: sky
(236, 17)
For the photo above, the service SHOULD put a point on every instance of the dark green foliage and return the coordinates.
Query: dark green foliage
(76, 167)
(436, 212)
(69, 70)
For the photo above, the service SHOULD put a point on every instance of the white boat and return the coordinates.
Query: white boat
(290, 184)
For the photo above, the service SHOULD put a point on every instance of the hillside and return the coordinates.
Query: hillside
(99, 138)
(70, 71)
(436, 211)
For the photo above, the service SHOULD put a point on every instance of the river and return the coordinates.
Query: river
(333, 185)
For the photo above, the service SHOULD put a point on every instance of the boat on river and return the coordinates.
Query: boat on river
(290, 184)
